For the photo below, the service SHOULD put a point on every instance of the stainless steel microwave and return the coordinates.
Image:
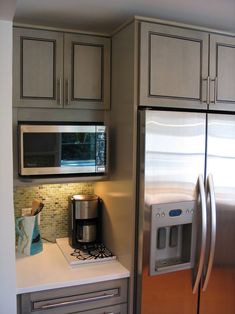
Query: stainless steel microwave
(62, 149)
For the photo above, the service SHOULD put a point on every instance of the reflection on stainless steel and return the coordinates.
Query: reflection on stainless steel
(172, 156)
(175, 147)
(221, 163)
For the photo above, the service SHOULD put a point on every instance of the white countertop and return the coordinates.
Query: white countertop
(49, 269)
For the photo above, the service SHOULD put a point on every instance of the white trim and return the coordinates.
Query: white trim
(58, 29)
(171, 23)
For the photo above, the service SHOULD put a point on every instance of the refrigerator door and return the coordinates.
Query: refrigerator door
(172, 156)
(219, 295)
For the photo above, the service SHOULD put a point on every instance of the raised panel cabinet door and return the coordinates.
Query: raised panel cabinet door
(87, 71)
(37, 68)
(222, 72)
(173, 67)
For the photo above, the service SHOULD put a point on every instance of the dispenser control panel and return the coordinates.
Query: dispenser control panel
(172, 237)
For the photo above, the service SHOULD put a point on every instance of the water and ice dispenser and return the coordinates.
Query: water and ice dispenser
(172, 242)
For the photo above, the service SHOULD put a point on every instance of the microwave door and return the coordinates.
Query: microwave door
(40, 151)
(79, 151)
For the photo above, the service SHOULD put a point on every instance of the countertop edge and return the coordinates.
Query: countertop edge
(66, 284)
(53, 263)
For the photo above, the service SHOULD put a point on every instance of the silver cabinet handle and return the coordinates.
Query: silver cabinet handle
(215, 80)
(211, 195)
(59, 92)
(72, 302)
(208, 91)
(207, 80)
(203, 233)
(68, 92)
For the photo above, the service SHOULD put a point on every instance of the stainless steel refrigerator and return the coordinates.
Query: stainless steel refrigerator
(186, 209)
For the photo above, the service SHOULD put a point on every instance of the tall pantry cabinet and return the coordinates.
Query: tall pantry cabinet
(156, 65)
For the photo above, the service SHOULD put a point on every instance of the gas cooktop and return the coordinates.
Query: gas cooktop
(98, 253)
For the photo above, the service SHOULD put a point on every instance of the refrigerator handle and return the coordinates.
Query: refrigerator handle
(202, 196)
(211, 194)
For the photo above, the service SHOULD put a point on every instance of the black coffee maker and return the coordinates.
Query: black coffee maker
(85, 221)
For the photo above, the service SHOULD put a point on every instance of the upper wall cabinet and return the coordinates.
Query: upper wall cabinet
(222, 72)
(173, 66)
(178, 70)
(87, 71)
(37, 68)
(53, 69)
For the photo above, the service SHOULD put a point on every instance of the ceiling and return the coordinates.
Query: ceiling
(7, 9)
(103, 16)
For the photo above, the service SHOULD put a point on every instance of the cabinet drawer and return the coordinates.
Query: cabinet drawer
(75, 299)
(114, 309)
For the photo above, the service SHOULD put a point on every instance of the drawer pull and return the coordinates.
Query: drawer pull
(97, 298)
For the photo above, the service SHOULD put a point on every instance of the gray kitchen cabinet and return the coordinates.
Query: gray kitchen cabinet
(37, 68)
(60, 70)
(222, 72)
(178, 70)
(100, 298)
(87, 71)
(173, 66)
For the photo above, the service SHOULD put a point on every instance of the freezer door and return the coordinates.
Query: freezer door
(219, 297)
(172, 155)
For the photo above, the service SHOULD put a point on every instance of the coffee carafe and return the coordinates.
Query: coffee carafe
(84, 221)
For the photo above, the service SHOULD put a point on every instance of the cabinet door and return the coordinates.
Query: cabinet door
(38, 68)
(173, 67)
(87, 71)
(222, 72)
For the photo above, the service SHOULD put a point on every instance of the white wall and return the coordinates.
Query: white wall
(7, 233)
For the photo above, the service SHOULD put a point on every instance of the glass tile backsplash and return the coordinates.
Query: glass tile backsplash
(54, 216)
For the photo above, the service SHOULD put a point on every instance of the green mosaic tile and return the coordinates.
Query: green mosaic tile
(54, 216)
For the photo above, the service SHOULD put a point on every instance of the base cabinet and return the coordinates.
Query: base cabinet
(109, 297)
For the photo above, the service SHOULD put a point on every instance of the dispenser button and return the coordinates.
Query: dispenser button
(163, 214)
(158, 215)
